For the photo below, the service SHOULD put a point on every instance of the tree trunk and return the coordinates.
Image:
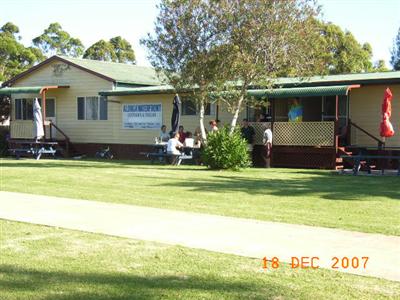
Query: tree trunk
(202, 128)
(236, 114)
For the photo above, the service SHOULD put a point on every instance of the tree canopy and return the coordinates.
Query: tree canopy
(101, 50)
(14, 56)
(116, 49)
(207, 44)
(123, 50)
(55, 40)
(395, 53)
(268, 39)
(380, 66)
(341, 51)
(10, 28)
(186, 47)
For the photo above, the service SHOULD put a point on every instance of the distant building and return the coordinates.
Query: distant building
(98, 103)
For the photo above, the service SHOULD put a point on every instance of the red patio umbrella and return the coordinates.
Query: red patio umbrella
(386, 126)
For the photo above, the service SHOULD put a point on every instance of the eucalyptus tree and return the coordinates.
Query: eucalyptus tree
(395, 57)
(14, 56)
(101, 50)
(123, 50)
(117, 49)
(187, 46)
(55, 40)
(267, 39)
(229, 45)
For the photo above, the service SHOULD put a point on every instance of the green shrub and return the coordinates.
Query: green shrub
(226, 151)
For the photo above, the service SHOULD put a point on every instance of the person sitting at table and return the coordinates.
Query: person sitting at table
(164, 135)
(182, 134)
(189, 141)
(197, 138)
(174, 148)
(174, 145)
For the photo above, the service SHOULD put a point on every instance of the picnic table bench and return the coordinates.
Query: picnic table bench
(34, 148)
(160, 153)
(368, 158)
(164, 157)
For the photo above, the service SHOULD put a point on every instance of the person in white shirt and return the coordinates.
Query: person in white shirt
(189, 141)
(174, 145)
(267, 141)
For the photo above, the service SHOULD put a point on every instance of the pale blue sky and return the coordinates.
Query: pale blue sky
(373, 21)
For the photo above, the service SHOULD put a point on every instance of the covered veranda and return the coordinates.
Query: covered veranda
(312, 140)
(24, 129)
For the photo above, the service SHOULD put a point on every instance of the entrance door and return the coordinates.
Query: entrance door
(51, 114)
(329, 109)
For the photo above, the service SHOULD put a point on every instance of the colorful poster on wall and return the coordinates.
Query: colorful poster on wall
(142, 116)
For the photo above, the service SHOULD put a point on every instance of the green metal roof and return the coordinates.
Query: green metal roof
(135, 76)
(21, 90)
(302, 91)
(121, 73)
(340, 79)
(158, 89)
(258, 93)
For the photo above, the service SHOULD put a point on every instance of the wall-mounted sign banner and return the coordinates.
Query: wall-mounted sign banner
(142, 116)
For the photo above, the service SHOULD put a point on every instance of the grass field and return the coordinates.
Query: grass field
(312, 197)
(39, 262)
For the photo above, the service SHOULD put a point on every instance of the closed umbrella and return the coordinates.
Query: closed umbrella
(38, 131)
(175, 114)
(386, 128)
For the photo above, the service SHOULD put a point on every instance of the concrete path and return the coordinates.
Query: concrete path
(216, 233)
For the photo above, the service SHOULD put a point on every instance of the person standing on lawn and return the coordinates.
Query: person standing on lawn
(267, 142)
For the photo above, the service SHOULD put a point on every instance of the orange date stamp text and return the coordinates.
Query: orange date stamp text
(313, 262)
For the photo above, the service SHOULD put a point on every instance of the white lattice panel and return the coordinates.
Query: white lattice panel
(259, 128)
(304, 133)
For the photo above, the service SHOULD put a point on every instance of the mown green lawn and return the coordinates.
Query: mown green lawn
(312, 197)
(38, 262)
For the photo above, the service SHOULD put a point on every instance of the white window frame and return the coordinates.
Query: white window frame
(14, 114)
(213, 110)
(84, 108)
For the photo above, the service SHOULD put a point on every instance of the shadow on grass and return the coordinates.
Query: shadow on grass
(320, 185)
(65, 285)
(95, 164)
(275, 182)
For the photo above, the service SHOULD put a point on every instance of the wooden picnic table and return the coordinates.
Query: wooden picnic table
(32, 147)
(160, 153)
(368, 158)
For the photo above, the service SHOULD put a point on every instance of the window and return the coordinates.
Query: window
(50, 107)
(190, 108)
(24, 108)
(329, 108)
(21, 109)
(210, 109)
(92, 108)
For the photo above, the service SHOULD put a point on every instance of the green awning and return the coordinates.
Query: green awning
(29, 89)
(21, 90)
(316, 91)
